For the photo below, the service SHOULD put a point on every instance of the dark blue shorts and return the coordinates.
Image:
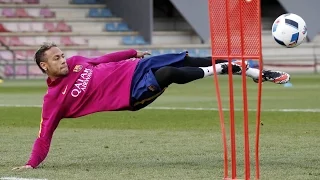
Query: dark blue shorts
(144, 87)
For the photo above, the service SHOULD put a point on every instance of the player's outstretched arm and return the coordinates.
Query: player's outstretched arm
(49, 123)
(115, 56)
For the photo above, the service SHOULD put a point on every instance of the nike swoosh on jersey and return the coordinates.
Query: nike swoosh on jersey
(65, 90)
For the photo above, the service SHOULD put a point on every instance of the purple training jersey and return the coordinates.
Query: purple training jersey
(92, 85)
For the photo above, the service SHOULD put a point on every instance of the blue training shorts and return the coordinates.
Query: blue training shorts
(144, 86)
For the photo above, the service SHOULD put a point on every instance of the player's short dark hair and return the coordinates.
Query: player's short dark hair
(39, 56)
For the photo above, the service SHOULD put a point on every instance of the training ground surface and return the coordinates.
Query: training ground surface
(159, 143)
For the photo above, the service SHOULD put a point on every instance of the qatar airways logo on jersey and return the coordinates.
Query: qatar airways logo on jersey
(81, 83)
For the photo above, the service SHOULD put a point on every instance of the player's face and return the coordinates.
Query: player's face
(55, 63)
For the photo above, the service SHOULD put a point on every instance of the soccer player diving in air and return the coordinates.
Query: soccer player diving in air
(124, 80)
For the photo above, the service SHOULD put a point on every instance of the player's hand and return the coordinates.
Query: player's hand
(20, 168)
(141, 54)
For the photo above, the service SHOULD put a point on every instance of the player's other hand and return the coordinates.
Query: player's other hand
(141, 54)
(22, 168)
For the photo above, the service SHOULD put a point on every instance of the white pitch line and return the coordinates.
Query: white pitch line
(216, 109)
(193, 108)
(17, 178)
(18, 105)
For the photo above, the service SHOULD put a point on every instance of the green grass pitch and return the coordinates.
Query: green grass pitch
(166, 144)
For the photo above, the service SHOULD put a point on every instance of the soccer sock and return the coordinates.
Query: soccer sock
(200, 61)
(253, 73)
(208, 71)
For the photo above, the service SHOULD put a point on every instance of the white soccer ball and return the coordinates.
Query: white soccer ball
(289, 30)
